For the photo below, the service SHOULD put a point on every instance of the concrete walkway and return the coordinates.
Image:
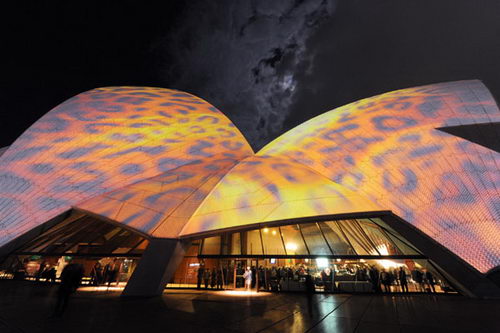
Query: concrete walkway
(26, 306)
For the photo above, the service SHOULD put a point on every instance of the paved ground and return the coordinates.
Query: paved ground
(25, 307)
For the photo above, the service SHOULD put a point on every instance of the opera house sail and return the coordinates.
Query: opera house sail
(162, 185)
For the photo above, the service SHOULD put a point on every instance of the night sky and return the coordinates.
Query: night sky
(268, 65)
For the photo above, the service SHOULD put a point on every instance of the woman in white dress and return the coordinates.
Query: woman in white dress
(248, 279)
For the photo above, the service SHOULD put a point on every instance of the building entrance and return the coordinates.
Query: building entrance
(329, 275)
(355, 255)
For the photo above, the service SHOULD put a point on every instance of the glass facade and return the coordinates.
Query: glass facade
(351, 237)
(293, 240)
(335, 237)
(328, 275)
(107, 253)
(351, 255)
(85, 235)
(272, 240)
(316, 242)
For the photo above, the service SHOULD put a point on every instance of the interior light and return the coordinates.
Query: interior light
(322, 262)
(273, 232)
(266, 230)
(291, 246)
(388, 263)
(243, 293)
(382, 249)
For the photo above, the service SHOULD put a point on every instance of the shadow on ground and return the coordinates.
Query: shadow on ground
(26, 307)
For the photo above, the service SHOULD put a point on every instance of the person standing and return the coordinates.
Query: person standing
(261, 274)
(395, 277)
(240, 281)
(219, 278)
(107, 272)
(224, 277)
(206, 277)
(51, 275)
(429, 280)
(254, 275)
(200, 272)
(71, 277)
(374, 279)
(326, 278)
(248, 279)
(41, 270)
(113, 272)
(385, 278)
(96, 274)
(213, 278)
(402, 279)
(417, 276)
(310, 290)
(267, 278)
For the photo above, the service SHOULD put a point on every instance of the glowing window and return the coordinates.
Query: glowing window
(294, 244)
(338, 243)
(236, 243)
(314, 239)
(211, 245)
(251, 242)
(272, 241)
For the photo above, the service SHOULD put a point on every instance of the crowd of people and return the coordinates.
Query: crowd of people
(105, 275)
(46, 272)
(278, 278)
(398, 279)
(211, 277)
(99, 274)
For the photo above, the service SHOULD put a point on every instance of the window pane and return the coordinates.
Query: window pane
(211, 245)
(314, 239)
(404, 247)
(86, 235)
(357, 238)
(193, 249)
(114, 243)
(272, 241)
(379, 239)
(236, 243)
(294, 243)
(68, 240)
(51, 236)
(141, 247)
(252, 242)
(399, 240)
(336, 239)
(126, 245)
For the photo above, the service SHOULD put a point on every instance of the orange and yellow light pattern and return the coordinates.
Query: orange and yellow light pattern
(263, 189)
(388, 150)
(103, 140)
(160, 206)
(170, 165)
(381, 153)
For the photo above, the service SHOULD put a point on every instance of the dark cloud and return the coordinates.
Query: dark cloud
(244, 57)
(268, 64)
(372, 47)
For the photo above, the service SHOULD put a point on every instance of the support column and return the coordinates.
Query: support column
(156, 267)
